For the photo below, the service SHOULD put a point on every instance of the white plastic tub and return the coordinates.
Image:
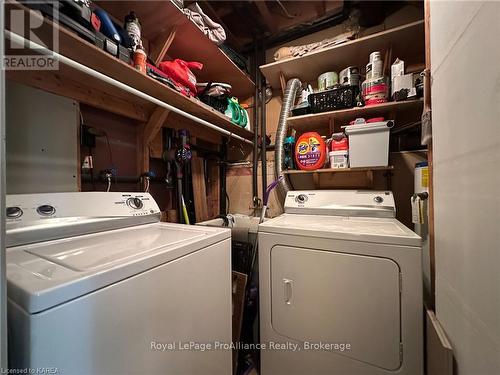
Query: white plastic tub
(339, 159)
(369, 144)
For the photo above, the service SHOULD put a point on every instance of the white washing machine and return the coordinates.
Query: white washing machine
(97, 285)
(340, 287)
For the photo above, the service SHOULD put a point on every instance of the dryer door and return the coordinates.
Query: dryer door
(328, 297)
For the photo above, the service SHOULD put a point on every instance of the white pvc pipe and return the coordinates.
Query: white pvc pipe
(94, 73)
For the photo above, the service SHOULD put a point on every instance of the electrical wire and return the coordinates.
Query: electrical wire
(146, 190)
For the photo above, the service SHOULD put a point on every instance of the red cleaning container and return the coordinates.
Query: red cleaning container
(310, 151)
(340, 145)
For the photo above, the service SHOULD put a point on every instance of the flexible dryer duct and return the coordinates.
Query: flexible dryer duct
(292, 87)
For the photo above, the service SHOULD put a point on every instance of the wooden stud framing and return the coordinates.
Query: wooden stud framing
(142, 152)
(283, 84)
(146, 135)
(154, 124)
(266, 15)
(331, 125)
(200, 198)
(165, 46)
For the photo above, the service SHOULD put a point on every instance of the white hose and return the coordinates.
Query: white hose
(109, 184)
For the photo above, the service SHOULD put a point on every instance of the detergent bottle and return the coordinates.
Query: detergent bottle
(310, 151)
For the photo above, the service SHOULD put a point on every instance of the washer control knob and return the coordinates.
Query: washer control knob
(135, 203)
(14, 212)
(46, 210)
(301, 198)
(378, 199)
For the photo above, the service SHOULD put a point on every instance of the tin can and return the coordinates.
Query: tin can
(375, 66)
(140, 58)
(327, 81)
(350, 76)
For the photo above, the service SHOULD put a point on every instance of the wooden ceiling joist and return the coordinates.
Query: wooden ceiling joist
(266, 15)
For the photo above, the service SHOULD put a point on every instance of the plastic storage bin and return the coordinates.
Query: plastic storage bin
(369, 144)
(331, 100)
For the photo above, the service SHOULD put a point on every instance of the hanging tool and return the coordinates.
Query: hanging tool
(182, 156)
(179, 155)
(184, 211)
(168, 156)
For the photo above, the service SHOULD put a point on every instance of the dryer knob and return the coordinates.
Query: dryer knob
(301, 198)
(378, 199)
(135, 203)
(14, 212)
(46, 210)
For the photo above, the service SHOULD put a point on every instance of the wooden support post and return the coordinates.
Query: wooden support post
(283, 84)
(266, 15)
(142, 152)
(199, 187)
(331, 125)
(146, 134)
(316, 179)
(369, 179)
(165, 46)
(213, 189)
(154, 124)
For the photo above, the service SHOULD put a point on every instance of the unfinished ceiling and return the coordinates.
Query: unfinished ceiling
(246, 20)
(277, 21)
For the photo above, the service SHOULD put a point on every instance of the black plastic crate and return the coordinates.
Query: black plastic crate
(330, 100)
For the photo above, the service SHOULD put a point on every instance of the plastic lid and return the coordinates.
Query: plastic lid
(374, 126)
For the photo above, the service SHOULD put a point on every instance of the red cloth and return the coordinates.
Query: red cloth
(180, 71)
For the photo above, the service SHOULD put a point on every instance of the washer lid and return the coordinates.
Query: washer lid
(367, 229)
(49, 273)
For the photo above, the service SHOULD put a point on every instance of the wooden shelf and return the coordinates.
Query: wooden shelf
(346, 178)
(407, 42)
(400, 112)
(340, 170)
(159, 18)
(69, 82)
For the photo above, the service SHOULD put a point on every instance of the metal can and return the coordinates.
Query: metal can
(350, 76)
(375, 66)
(327, 81)
(140, 58)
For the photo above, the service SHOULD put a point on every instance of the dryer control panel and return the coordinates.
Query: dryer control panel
(365, 203)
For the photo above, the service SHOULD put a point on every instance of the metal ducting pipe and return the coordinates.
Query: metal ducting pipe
(292, 87)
